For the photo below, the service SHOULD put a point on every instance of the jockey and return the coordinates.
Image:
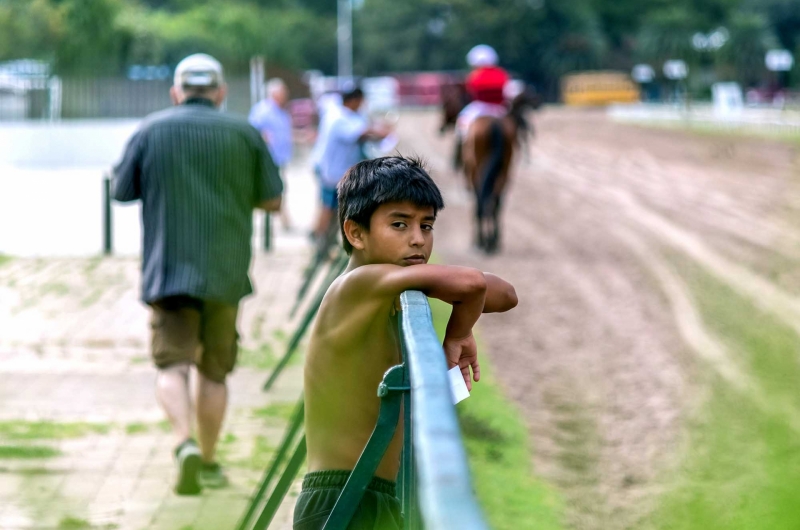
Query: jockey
(485, 85)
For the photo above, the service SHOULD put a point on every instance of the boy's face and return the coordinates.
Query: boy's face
(400, 233)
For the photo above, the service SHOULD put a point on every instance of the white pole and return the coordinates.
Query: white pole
(344, 36)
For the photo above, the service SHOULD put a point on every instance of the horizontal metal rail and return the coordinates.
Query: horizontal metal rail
(445, 489)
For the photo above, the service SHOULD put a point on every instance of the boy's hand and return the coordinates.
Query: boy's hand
(463, 353)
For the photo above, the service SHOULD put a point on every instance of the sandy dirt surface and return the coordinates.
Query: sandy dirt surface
(603, 351)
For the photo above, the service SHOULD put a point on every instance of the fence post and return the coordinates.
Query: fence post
(267, 231)
(108, 221)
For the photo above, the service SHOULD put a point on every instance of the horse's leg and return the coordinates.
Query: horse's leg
(480, 241)
(494, 243)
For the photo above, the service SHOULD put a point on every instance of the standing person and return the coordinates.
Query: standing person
(199, 174)
(274, 123)
(344, 134)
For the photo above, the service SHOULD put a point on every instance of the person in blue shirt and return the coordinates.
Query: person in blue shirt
(270, 117)
(342, 150)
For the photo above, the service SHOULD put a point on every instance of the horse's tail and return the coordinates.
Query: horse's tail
(494, 164)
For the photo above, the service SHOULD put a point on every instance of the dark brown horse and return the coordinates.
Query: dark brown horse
(487, 153)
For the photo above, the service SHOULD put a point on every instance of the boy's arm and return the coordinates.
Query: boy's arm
(500, 295)
(463, 287)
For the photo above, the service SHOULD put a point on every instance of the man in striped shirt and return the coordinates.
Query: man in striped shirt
(199, 173)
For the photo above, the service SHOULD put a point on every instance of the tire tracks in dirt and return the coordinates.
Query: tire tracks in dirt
(599, 353)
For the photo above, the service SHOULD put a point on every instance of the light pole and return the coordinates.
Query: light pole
(344, 38)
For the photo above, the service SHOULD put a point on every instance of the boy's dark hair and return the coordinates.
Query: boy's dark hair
(353, 93)
(371, 183)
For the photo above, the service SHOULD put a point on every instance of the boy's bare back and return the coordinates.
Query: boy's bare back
(352, 345)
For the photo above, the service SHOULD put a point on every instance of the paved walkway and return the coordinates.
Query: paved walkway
(83, 443)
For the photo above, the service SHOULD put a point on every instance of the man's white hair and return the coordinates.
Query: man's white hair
(275, 85)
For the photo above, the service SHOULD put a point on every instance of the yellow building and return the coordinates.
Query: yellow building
(598, 88)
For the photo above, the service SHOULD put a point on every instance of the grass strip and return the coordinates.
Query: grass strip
(26, 452)
(498, 449)
(742, 466)
(49, 430)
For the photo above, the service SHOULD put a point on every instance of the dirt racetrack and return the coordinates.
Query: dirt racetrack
(605, 351)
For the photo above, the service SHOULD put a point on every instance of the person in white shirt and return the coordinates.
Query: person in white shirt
(342, 150)
(329, 106)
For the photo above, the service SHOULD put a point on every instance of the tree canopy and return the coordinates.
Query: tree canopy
(538, 39)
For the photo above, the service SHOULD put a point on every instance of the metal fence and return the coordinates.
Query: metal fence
(102, 97)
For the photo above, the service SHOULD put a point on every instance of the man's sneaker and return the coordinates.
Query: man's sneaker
(189, 462)
(211, 476)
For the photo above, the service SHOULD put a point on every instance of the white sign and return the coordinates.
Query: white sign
(727, 98)
(675, 69)
(779, 60)
(643, 73)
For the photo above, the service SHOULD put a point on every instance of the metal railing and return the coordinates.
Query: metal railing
(434, 481)
(444, 484)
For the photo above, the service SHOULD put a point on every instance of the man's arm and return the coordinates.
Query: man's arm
(269, 185)
(126, 182)
(271, 205)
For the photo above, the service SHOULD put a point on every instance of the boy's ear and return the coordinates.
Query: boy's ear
(354, 233)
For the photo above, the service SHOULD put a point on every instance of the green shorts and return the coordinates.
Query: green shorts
(379, 508)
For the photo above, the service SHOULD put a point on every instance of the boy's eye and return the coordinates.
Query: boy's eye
(427, 227)
(399, 224)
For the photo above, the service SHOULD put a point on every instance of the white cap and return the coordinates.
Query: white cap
(482, 55)
(198, 70)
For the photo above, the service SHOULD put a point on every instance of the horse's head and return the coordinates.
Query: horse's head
(522, 102)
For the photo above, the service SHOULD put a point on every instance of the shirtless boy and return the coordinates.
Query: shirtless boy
(387, 208)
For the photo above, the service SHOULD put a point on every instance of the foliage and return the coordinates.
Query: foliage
(539, 40)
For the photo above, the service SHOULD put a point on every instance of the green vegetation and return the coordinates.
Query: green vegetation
(709, 130)
(263, 358)
(742, 466)
(48, 430)
(281, 411)
(73, 522)
(136, 428)
(538, 39)
(498, 448)
(27, 451)
(4, 259)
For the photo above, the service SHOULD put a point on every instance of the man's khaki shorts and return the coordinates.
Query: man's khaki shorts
(202, 332)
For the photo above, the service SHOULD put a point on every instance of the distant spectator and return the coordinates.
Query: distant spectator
(274, 123)
(341, 150)
(199, 174)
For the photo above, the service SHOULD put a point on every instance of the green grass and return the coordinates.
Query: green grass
(25, 452)
(742, 466)
(259, 458)
(48, 430)
(263, 358)
(496, 439)
(74, 522)
(282, 410)
(4, 259)
(136, 428)
(704, 129)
